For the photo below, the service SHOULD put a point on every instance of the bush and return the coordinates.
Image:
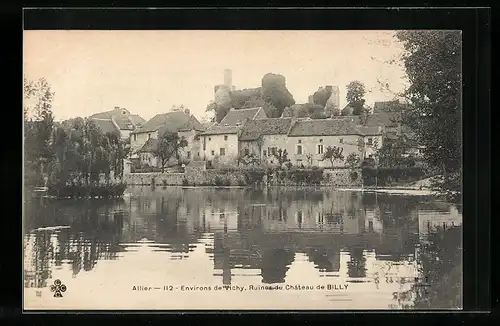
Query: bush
(219, 181)
(254, 175)
(75, 191)
(185, 182)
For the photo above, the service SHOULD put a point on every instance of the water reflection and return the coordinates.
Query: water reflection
(383, 243)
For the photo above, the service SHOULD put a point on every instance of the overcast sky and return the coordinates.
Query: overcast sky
(149, 71)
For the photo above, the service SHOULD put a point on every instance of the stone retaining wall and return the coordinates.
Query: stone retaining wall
(336, 177)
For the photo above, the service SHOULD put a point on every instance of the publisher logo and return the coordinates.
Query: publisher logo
(58, 288)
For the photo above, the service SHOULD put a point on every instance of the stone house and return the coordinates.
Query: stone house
(264, 137)
(118, 120)
(143, 141)
(219, 143)
(309, 139)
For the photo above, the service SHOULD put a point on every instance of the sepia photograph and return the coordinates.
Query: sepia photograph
(242, 170)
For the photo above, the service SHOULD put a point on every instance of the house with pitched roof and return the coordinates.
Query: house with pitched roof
(308, 140)
(264, 137)
(117, 120)
(143, 141)
(220, 141)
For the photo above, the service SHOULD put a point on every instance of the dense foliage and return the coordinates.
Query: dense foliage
(355, 96)
(433, 65)
(72, 157)
(169, 146)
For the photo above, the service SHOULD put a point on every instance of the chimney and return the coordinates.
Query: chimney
(117, 108)
(228, 78)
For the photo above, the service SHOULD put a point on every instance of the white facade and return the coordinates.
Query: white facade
(223, 148)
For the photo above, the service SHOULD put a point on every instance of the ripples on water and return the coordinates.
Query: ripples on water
(377, 244)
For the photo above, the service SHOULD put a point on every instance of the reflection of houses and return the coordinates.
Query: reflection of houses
(372, 221)
(119, 120)
(431, 220)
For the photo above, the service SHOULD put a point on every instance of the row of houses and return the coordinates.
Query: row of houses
(249, 132)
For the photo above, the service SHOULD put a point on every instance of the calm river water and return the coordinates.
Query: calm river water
(174, 248)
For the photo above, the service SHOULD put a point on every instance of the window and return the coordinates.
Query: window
(264, 153)
(149, 136)
(321, 140)
(198, 153)
(225, 137)
(247, 151)
(299, 162)
(299, 141)
(370, 141)
(222, 151)
(299, 149)
(320, 149)
(209, 139)
(188, 155)
(213, 153)
(341, 140)
(135, 137)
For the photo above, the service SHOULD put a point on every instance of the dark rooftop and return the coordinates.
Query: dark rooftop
(324, 127)
(253, 129)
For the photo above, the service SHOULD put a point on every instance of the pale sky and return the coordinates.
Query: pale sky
(149, 71)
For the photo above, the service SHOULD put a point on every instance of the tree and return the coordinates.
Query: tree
(355, 96)
(352, 161)
(333, 153)
(38, 124)
(281, 156)
(432, 61)
(169, 145)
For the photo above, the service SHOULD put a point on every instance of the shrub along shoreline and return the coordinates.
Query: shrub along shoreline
(91, 191)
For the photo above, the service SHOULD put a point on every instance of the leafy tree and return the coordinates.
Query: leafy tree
(248, 159)
(355, 96)
(333, 153)
(38, 124)
(393, 153)
(433, 65)
(352, 161)
(281, 156)
(169, 145)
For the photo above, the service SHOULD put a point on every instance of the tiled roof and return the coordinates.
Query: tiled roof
(235, 116)
(171, 121)
(150, 146)
(124, 123)
(192, 124)
(253, 129)
(137, 119)
(221, 130)
(105, 115)
(324, 127)
(106, 125)
(385, 119)
(371, 131)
